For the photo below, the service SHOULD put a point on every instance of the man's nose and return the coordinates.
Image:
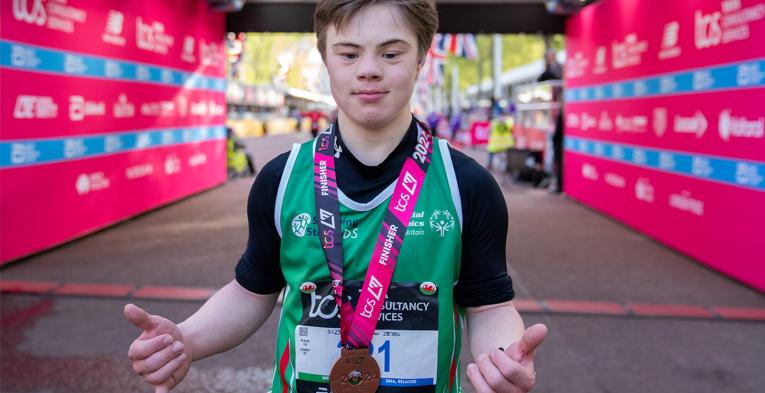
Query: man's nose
(369, 68)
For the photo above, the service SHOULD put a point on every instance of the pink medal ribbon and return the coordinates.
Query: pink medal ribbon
(357, 327)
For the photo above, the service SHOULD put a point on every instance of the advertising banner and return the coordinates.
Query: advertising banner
(108, 109)
(665, 124)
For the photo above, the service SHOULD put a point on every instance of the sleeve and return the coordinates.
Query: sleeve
(259, 270)
(483, 276)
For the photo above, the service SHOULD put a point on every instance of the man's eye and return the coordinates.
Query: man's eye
(390, 55)
(350, 56)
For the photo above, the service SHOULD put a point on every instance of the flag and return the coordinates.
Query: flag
(471, 47)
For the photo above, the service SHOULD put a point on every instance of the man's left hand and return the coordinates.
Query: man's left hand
(511, 370)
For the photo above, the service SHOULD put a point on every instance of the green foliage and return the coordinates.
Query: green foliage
(517, 50)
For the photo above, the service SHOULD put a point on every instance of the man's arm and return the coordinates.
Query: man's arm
(493, 326)
(227, 319)
(502, 350)
(163, 353)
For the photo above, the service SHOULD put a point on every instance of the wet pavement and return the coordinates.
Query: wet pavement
(626, 314)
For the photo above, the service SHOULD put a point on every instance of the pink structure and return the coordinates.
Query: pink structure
(665, 124)
(108, 109)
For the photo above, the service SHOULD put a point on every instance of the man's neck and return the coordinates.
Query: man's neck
(372, 146)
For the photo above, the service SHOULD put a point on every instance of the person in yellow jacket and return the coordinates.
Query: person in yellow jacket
(500, 136)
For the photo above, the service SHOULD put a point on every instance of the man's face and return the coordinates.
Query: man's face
(372, 66)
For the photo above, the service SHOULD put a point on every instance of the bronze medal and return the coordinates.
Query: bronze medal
(355, 372)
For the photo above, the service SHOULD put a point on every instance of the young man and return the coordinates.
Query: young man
(381, 250)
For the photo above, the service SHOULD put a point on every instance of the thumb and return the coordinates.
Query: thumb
(138, 317)
(530, 340)
(161, 389)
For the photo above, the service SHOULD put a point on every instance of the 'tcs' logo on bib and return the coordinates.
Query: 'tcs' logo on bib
(428, 288)
(300, 223)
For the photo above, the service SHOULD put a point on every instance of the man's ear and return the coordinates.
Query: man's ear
(419, 66)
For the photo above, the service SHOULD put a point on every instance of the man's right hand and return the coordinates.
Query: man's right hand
(158, 354)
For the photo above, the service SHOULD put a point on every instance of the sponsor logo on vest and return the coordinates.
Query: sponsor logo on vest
(319, 304)
(387, 245)
(441, 221)
(428, 288)
(307, 287)
(300, 223)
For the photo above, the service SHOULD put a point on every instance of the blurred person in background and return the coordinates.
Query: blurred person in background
(371, 208)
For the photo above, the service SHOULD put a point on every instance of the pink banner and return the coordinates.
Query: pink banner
(78, 197)
(108, 109)
(52, 105)
(665, 127)
(616, 40)
(721, 123)
(182, 34)
(707, 221)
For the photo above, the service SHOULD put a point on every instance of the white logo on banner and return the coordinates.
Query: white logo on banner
(327, 218)
(576, 65)
(748, 174)
(600, 61)
(730, 24)
(187, 54)
(696, 124)
(197, 160)
(739, 126)
(35, 107)
(631, 123)
(36, 15)
(152, 37)
(669, 39)
(123, 108)
(210, 54)
(590, 172)
(628, 53)
(685, 202)
(79, 108)
(22, 153)
(644, 190)
(375, 287)
(172, 164)
(138, 171)
(615, 180)
(113, 31)
(88, 182)
(605, 123)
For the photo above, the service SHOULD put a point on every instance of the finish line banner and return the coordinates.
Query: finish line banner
(665, 124)
(108, 109)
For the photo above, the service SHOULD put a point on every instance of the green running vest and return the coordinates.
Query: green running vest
(418, 336)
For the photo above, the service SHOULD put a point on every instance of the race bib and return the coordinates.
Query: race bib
(405, 343)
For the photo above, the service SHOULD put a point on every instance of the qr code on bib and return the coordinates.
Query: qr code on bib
(302, 331)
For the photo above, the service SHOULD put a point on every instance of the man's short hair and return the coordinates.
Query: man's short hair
(420, 14)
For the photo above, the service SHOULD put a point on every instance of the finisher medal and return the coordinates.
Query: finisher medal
(357, 371)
